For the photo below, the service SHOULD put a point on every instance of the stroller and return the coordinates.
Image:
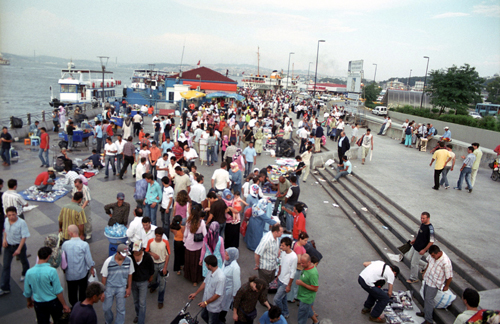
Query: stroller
(184, 317)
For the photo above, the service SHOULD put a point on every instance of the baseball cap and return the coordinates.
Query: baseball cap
(446, 127)
(120, 195)
(137, 246)
(122, 249)
(51, 169)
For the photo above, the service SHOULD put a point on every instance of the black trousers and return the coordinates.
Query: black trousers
(76, 290)
(127, 160)
(45, 310)
(137, 128)
(341, 153)
(437, 173)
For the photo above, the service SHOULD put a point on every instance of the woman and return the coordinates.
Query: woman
(232, 230)
(225, 143)
(194, 225)
(233, 134)
(299, 249)
(253, 196)
(182, 139)
(182, 205)
(213, 244)
(211, 149)
(127, 127)
(255, 290)
(258, 141)
(233, 281)
(238, 158)
(236, 177)
(145, 153)
(179, 250)
(55, 120)
(409, 135)
(203, 145)
(261, 215)
(62, 116)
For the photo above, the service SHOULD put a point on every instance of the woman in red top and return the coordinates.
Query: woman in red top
(299, 221)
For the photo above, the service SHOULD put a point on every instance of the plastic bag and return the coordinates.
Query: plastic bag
(443, 299)
(93, 278)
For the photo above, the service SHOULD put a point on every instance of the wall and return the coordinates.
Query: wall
(486, 138)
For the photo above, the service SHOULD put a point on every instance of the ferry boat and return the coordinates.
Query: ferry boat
(84, 86)
(4, 61)
(147, 87)
(275, 81)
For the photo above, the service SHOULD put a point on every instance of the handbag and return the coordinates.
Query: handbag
(198, 237)
(360, 140)
(405, 247)
(250, 316)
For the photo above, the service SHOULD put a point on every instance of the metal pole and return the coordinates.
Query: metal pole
(288, 72)
(408, 85)
(316, 72)
(425, 81)
(308, 72)
(375, 75)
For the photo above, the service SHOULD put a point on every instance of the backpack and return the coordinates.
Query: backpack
(408, 130)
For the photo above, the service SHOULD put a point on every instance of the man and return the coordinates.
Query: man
(283, 186)
(85, 204)
(6, 140)
(178, 152)
(79, 264)
(2, 213)
(45, 180)
(448, 167)
(72, 214)
(354, 133)
(319, 135)
(120, 144)
(198, 192)
(217, 211)
(437, 275)
(142, 168)
(43, 290)
(431, 131)
(340, 129)
(344, 169)
(475, 167)
(142, 277)
(383, 125)
(442, 156)
(303, 134)
(470, 297)
(308, 286)
(403, 128)
(83, 312)
(135, 227)
(167, 145)
(110, 151)
(273, 315)
(421, 133)
(141, 187)
(447, 135)
(372, 279)
(116, 274)
(162, 167)
(466, 169)
(420, 245)
(155, 156)
(197, 135)
(366, 144)
(306, 158)
(153, 198)
(128, 155)
(213, 290)
(159, 249)
(11, 198)
(171, 168)
(344, 145)
(14, 244)
(69, 131)
(220, 178)
(247, 137)
(137, 119)
(43, 151)
(34, 128)
(286, 274)
(98, 136)
(265, 172)
(190, 156)
(250, 157)
(118, 212)
(181, 180)
(267, 253)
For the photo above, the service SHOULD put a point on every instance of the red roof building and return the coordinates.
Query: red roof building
(330, 87)
(207, 79)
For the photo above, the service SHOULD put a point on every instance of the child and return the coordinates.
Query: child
(237, 202)
(96, 160)
(298, 170)
(159, 248)
(178, 230)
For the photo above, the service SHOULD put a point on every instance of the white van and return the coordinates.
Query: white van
(380, 110)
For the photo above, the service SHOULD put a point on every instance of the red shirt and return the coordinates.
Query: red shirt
(178, 152)
(44, 141)
(42, 178)
(497, 150)
(109, 130)
(299, 224)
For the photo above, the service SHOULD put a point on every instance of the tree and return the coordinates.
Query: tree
(493, 89)
(371, 92)
(454, 88)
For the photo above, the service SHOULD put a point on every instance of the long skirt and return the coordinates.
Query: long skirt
(203, 152)
(192, 267)
(179, 254)
(232, 235)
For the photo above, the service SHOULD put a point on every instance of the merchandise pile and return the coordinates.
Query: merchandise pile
(399, 308)
(117, 230)
(58, 191)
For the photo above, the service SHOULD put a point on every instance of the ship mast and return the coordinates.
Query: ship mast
(258, 61)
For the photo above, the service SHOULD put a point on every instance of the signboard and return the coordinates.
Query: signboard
(353, 96)
(354, 82)
(355, 66)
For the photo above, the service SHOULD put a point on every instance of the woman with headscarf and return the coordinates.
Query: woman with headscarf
(183, 141)
(62, 117)
(213, 244)
(189, 139)
(195, 226)
(261, 215)
(225, 143)
(259, 141)
(238, 158)
(236, 177)
(233, 281)
(203, 144)
(127, 127)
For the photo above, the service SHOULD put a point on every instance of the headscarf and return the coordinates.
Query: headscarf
(225, 137)
(227, 192)
(237, 154)
(254, 190)
(213, 236)
(260, 208)
(128, 121)
(233, 254)
(234, 167)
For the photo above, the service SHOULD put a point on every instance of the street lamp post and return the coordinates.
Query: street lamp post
(316, 72)
(375, 75)
(288, 72)
(408, 84)
(199, 77)
(104, 62)
(309, 68)
(425, 81)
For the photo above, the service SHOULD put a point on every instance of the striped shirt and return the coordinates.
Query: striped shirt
(71, 214)
(11, 198)
(117, 275)
(469, 160)
(268, 249)
(438, 271)
(86, 195)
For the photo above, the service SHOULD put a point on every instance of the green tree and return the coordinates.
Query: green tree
(454, 88)
(371, 92)
(493, 89)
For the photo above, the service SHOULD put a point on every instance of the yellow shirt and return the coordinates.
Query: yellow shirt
(161, 248)
(71, 214)
(441, 156)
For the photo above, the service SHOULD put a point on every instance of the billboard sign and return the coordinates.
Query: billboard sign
(355, 66)
(354, 82)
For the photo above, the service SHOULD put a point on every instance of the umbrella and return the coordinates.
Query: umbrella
(192, 94)
(218, 94)
(236, 96)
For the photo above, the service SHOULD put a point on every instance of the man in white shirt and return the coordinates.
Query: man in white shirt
(135, 226)
(119, 152)
(162, 166)
(142, 168)
(220, 178)
(303, 135)
(340, 128)
(403, 127)
(198, 192)
(137, 119)
(167, 202)
(171, 167)
(110, 149)
(286, 274)
(190, 156)
(148, 231)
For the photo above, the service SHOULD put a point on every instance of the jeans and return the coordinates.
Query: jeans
(139, 293)
(128, 160)
(70, 142)
(376, 296)
(437, 173)
(381, 129)
(289, 218)
(248, 168)
(340, 174)
(444, 177)
(98, 145)
(222, 228)
(151, 212)
(429, 303)
(5, 153)
(45, 310)
(305, 312)
(109, 159)
(156, 137)
(209, 317)
(7, 260)
(211, 155)
(295, 289)
(44, 156)
(76, 290)
(119, 162)
(46, 187)
(280, 298)
(137, 129)
(165, 220)
(110, 294)
(159, 281)
(465, 173)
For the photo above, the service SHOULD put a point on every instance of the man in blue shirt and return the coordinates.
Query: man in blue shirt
(79, 263)
(141, 187)
(250, 156)
(43, 290)
(14, 242)
(166, 145)
(272, 316)
(343, 169)
(153, 198)
(98, 136)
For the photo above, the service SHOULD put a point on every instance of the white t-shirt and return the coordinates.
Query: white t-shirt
(110, 147)
(354, 132)
(341, 125)
(198, 192)
(140, 170)
(367, 140)
(221, 178)
(168, 193)
(288, 264)
(373, 272)
(104, 270)
(160, 165)
(119, 146)
(191, 154)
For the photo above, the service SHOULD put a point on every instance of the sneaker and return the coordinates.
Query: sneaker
(377, 319)
(22, 278)
(447, 187)
(334, 180)
(457, 188)
(365, 310)
(88, 237)
(4, 292)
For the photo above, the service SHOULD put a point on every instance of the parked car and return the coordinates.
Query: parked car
(320, 102)
(475, 115)
(380, 110)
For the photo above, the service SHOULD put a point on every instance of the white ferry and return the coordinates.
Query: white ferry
(4, 61)
(276, 81)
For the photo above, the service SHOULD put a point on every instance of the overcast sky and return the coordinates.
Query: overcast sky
(395, 34)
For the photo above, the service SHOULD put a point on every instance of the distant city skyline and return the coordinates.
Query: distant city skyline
(393, 34)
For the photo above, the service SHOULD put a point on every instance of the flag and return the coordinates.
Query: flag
(227, 71)
(242, 73)
(198, 63)
(297, 77)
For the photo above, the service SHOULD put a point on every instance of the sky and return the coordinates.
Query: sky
(394, 34)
